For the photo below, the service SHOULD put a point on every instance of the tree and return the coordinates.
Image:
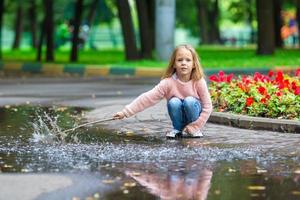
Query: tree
(75, 37)
(203, 21)
(298, 17)
(278, 23)
(47, 30)
(18, 26)
(1, 23)
(208, 20)
(33, 21)
(144, 27)
(265, 33)
(131, 50)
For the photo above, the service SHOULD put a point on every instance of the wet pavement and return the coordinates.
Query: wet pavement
(136, 161)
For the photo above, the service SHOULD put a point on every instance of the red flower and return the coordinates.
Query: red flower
(279, 76)
(262, 90)
(263, 100)
(229, 77)
(221, 73)
(297, 91)
(278, 93)
(297, 73)
(214, 78)
(271, 73)
(249, 101)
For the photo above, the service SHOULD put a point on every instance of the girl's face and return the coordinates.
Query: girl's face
(184, 64)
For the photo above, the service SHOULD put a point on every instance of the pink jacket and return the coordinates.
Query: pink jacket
(173, 87)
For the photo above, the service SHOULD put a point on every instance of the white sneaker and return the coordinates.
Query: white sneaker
(172, 133)
(197, 134)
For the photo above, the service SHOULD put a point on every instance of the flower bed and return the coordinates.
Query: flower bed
(276, 95)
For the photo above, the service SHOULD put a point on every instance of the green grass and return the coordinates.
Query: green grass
(211, 56)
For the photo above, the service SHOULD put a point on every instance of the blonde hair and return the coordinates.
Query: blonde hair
(197, 72)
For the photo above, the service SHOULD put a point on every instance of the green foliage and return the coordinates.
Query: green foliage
(186, 16)
(240, 11)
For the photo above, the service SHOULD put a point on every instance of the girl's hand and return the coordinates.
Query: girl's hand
(119, 115)
(187, 130)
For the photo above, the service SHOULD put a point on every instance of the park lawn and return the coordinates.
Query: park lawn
(211, 57)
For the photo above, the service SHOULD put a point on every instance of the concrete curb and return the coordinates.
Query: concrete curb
(51, 69)
(260, 123)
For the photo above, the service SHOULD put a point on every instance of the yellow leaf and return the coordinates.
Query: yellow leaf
(125, 191)
(256, 187)
(295, 192)
(297, 171)
(97, 196)
(129, 184)
(261, 171)
(136, 174)
(108, 181)
(217, 192)
(231, 170)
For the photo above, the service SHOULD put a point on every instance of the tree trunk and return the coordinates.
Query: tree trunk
(214, 18)
(41, 40)
(131, 50)
(144, 26)
(49, 29)
(92, 12)
(278, 23)
(265, 20)
(298, 18)
(18, 26)
(32, 19)
(75, 38)
(1, 23)
(202, 15)
(151, 18)
(250, 20)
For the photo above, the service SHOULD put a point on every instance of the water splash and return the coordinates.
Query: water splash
(46, 130)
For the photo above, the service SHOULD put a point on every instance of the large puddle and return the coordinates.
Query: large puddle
(141, 166)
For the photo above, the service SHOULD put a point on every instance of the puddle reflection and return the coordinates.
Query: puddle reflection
(191, 185)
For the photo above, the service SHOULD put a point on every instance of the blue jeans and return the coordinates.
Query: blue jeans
(183, 112)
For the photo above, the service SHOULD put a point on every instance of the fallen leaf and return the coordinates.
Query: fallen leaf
(108, 181)
(256, 187)
(297, 171)
(261, 171)
(231, 170)
(125, 191)
(295, 192)
(136, 173)
(129, 184)
(97, 196)
(217, 192)
(129, 133)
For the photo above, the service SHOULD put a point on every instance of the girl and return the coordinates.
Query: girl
(183, 85)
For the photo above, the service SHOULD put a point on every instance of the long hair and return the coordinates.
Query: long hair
(197, 72)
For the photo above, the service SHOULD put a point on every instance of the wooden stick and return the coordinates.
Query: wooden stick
(85, 124)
